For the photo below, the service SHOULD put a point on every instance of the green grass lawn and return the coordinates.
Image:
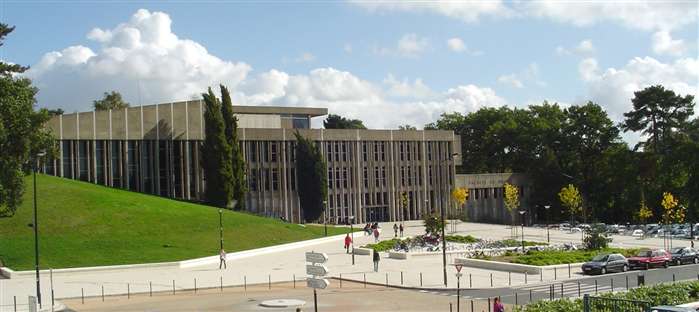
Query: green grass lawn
(551, 257)
(82, 224)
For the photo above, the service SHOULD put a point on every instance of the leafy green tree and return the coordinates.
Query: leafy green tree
(216, 160)
(433, 223)
(55, 112)
(406, 127)
(570, 199)
(110, 100)
(338, 122)
(658, 113)
(312, 185)
(22, 132)
(239, 183)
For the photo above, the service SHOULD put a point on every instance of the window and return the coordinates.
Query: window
(265, 151)
(337, 151)
(346, 201)
(274, 151)
(475, 192)
(383, 176)
(266, 178)
(331, 201)
(376, 151)
(410, 176)
(330, 178)
(344, 177)
(293, 179)
(429, 151)
(364, 150)
(344, 152)
(275, 179)
(338, 178)
(485, 193)
(429, 175)
(376, 176)
(419, 152)
(252, 152)
(383, 151)
(366, 177)
(409, 150)
(419, 175)
(329, 151)
(402, 176)
(253, 179)
(402, 152)
(293, 151)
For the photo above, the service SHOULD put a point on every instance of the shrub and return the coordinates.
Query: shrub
(468, 239)
(383, 245)
(433, 223)
(518, 243)
(595, 238)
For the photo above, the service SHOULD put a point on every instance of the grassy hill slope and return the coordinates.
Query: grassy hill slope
(82, 224)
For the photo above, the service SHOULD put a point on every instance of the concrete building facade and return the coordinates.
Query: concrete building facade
(156, 149)
(486, 196)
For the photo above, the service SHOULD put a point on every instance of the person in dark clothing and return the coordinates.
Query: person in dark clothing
(497, 305)
(376, 258)
(395, 230)
(401, 229)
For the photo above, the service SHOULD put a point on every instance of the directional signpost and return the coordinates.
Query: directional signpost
(458, 285)
(317, 271)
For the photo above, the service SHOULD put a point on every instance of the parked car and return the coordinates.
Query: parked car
(682, 255)
(637, 233)
(670, 309)
(646, 259)
(606, 263)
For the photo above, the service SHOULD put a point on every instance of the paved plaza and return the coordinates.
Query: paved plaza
(287, 265)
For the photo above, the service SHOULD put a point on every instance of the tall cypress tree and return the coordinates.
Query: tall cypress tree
(239, 185)
(312, 181)
(216, 160)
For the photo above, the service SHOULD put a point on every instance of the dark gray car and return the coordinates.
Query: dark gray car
(601, 264)
(682, 255)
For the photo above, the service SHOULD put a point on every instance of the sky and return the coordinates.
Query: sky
(386, 62)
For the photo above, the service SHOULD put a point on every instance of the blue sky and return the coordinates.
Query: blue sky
(388, 63)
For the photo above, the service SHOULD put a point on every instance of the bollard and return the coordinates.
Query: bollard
(386, 279)
(595, 287)
(525, 277)
(470, 282)
(295, 280)
(450, 309)
(340, 280)
(364, 280)
(551, 292)
(150, 289)
(509, 278)
(128, 291)
(420, 279)
(102, 293)
(195, 285)
(611, 282)
(173, 287)
(673, 277)
(488, 304)
(562, 292)
(530, 295)
(541, 275)
(491, 279)
(516, 299)
(471, 305)
(15, 301)
(555, 273)
(221, 283)
(568, 270)
(245, 282)
(578, 288)
(269, 281)
(627, 282)
(401, 277)
(82, 295)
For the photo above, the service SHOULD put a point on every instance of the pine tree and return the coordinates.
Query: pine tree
(216, 159)
(312, 181)
(239, 183)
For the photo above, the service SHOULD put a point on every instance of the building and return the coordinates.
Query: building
(155, 149)
(486, 202)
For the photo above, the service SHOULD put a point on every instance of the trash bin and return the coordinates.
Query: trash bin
(641, 279)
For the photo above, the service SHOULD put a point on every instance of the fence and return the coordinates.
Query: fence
(598, 304)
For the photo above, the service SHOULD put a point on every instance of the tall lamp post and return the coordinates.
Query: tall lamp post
(35, 166)
(351, 223)
(325, 216)
(548, 222)
(521, 213)
(220, 227)
(444, 237)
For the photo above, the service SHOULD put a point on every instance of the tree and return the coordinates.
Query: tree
(644, 213)
(672, 212)
(511, 202)
(459, 195)
(406, 127)
(110, 100)
(658, 113)
(55, 112)
(433, 223)
(239, 183)
(338, 122)
(216, 159)
(22, 132)
(570, 199)
(312, 180)
(404, 202)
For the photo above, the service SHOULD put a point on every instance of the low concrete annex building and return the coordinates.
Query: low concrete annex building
(155, 149)
(486, 196)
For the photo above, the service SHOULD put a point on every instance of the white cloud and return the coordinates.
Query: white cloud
(141, 53)
(467, 11)
(457, 45)
(664, 44)
(644, 15)
(412, 45)
(305, 57)
(511, 80)
(417, 89)
(584, 47)
(613, 88)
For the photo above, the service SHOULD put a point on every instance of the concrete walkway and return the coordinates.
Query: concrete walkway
(288, 264)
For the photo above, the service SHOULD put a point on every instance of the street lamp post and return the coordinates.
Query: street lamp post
(548, 222)
(36, 228)
(325, 216)
(351, 222)
(521, 213)
(444, 248)
(220, 227)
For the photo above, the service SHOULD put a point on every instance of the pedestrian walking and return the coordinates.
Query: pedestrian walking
(376, 258)
(222, 257)
(401, 229)
(497, 305)
(395, 230)
(376, 235)
(348, 242)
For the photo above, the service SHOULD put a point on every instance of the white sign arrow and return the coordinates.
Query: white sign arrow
(316, 257)
(317, 283)
(316, 270)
